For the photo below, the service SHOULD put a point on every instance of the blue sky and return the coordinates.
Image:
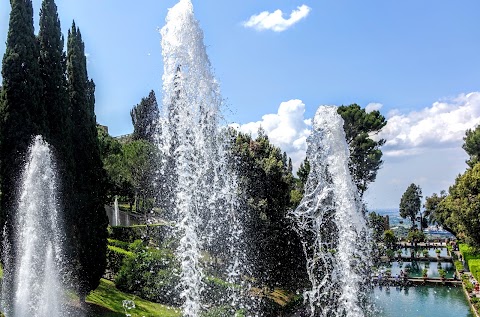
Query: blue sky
(405, 56)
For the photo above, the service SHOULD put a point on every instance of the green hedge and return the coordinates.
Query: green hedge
(459, 266)
(474, 266)
(115, 258)
(129, 234)
(120, 244)
(468, 252)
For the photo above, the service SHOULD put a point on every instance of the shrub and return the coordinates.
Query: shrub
(117, 243)
(459, 266)
(416, 236)
(468, 252)
(115, 258)
(151, 274)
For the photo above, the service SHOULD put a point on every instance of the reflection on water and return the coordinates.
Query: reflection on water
(421, 301)
(414, 269)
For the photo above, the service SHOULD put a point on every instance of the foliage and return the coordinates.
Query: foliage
(389, 239)
(303, 171)
(442, 273)
(150, 274)
(115, 258)
(144, 118)
(88, 224)
(109, 297)
(365, 153)
(474, 266)
(157, 232)
(267, 182)
(139, 159)
(410, 203)
(377, 223)
(416, 236)
(424, 272)
(22, 113)
(468, 252)
(118, 176)
(459, 266)
(461, 208)
(472, 146)
(432, 212)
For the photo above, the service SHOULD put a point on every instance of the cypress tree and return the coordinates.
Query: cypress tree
(55, 96)
(22, 114)
(90, 222)
(53, 71)
(144, 118)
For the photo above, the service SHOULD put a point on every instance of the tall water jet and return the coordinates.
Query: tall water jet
(198, 188)
(116, 213)
(331, 223)
(36, 289)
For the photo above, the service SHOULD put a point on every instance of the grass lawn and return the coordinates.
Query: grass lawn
(106, 301)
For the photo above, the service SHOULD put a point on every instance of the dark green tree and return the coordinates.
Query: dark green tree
(365, 153)
(118, 176)
(303, 171)
(410, 203)
(89, 225)
(267, 183)
(139, 159)
(432, 211)
(53, 75)
(144, 118)
(472, 145)
(460, 209)
(22, 113)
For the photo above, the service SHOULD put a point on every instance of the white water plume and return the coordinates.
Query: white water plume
(331, 224)
(198, 188)
(37, 289)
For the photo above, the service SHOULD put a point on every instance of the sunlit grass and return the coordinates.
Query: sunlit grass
(107, 301)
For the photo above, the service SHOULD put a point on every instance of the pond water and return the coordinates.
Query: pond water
(421, 301)
(431, 252)
(415, 268)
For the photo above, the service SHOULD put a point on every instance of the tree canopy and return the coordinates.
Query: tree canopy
(411, 203)
(365, 153)
(471, 145)
(144, 118)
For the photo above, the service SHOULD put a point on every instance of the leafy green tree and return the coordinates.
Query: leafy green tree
(390, 240)
(472, 145)
(365, 153)
(140, 159)
(144, 118)
(118, 175)
(460, 210)
(303, 171)
(267, 182)
(432, 211)
(377, 223)
(89, 225)
(410, 203)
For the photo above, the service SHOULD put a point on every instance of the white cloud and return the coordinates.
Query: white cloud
(440, 126)
(275, 21)
(373, 106)
(287, 129)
